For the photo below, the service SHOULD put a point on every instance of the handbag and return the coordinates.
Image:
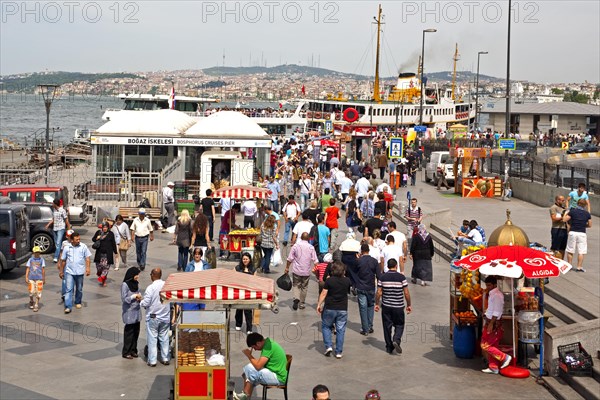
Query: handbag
(96, 244)
(124, 243)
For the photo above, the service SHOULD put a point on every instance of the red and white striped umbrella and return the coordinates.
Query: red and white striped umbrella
(220, 285)
(242, 192)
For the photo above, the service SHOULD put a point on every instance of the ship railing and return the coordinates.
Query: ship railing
(249, 114)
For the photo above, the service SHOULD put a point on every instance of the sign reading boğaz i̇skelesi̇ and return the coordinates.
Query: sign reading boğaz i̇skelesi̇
(507, 144)
(396, 147)
(166, 141)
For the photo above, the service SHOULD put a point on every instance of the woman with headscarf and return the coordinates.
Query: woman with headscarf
(130, 298)
(183, 238)
(246, 267)
(105, 252)
(421, 252)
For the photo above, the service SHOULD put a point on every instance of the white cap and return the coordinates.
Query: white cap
(170, 183)
(142, 211)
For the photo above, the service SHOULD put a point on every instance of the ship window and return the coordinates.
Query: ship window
(361, 110)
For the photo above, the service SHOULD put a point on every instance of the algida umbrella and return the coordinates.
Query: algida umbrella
(514, 262)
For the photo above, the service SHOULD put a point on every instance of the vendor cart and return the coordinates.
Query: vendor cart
(467, 167)
(239, 240)
(202, 337)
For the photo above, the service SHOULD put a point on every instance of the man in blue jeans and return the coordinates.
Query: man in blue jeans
(75, 262)
(141, 229)
(158, 317)
(60, 223)
(365, 288)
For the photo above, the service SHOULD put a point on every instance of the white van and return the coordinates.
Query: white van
(442, 159)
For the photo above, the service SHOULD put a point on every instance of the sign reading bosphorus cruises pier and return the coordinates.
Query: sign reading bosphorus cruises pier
(183, 141)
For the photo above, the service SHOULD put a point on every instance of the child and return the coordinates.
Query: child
(35, 276)
(323, 270)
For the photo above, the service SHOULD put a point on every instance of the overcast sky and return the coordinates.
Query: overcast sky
(552, 41)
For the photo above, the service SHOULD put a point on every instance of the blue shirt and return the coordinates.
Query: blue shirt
(75, 257)
(324, 234)
(151, 302)
(574, 198)
(275, 190)
(36, 265)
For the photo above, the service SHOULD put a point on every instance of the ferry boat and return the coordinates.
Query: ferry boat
(399, 106)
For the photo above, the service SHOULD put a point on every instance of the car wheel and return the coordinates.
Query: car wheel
(44, 241)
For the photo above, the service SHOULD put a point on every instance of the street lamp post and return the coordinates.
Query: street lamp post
(477, 91)
(507, 127)
(422, 68)
(49, 92)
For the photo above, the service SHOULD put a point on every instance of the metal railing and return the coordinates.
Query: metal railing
(548, 174)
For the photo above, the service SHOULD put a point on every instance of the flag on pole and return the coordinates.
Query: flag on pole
(303, 90)
(172, 98)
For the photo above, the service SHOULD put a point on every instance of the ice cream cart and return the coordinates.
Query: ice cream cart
(202, 337)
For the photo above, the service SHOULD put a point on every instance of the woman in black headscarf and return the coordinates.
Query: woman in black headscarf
(105, 252)
(131, 297)
(246, 267)
(421, 252)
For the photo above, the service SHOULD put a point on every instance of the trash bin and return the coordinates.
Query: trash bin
(529, 327)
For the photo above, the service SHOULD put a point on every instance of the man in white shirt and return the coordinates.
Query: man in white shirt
(399, 237)
(158, 317)
(141, 229)
(290, 212)
(492, 328)
(226, 204)
(306, 188)
(382, 185)
(362, 188)
(249, 209)
(391, 250)
(169, 203)
(305, 225)
(345, 186)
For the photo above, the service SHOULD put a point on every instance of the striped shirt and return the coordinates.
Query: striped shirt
(392, 286)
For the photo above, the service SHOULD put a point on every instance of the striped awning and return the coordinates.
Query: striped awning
(218, 285)
(242, 192)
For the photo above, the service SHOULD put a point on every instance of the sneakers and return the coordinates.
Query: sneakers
(580, 270)
(240, 396)
(116, 268)
(328, 352)
(67, 310)
(35, 308)
(397, 347)
(295, 304)
(364, 333)
(506, 362)
(78, 306)
(371, 330)
(238, 328)
(302, 306)
(55, 260)
(248, 332)
(165, 362)
(31, 303)
(490, 371)
(338, 356)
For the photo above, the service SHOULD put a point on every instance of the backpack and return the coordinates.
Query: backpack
(313, 237)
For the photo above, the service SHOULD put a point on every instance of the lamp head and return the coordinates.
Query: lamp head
(430, 30)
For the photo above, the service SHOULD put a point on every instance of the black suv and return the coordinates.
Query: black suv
(15, 248)
(40, 215)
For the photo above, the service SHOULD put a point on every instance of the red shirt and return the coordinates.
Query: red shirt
(332, 214)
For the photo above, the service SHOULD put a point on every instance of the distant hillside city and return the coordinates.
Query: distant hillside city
(281, 83)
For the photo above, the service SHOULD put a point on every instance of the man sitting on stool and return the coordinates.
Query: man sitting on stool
(268, 369)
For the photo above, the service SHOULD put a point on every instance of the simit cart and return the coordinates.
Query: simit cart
(202, 337)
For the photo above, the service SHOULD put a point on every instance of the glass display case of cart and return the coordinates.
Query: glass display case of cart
(202, 355)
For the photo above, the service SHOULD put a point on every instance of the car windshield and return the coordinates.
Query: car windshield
(524, 146)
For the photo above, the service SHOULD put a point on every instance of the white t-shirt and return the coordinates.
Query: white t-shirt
(362, 187)
(475, 236)
(399, 238)
(339, 176)
(345, 184)
(374, 252)
(291, 210)
(249, 208)
(381, 186)
(301, 227)
(305, 186)
(390, 252)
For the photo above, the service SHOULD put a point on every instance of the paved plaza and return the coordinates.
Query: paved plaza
(77, 356)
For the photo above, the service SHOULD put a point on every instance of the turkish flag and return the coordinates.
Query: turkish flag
(303, 90)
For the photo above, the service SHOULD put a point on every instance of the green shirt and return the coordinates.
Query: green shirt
(325, 201)
(277, 360)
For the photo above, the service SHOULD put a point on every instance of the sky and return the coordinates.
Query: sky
(551, 41)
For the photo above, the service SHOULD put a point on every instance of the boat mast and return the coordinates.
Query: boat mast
(376, 95)
(455, 58)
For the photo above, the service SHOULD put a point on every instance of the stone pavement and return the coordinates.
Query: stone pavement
(77, 356)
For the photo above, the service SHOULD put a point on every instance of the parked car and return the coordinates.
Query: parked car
(15, 246)
(46, 194)
(524, 148)
(585, 147)
(40, 214)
